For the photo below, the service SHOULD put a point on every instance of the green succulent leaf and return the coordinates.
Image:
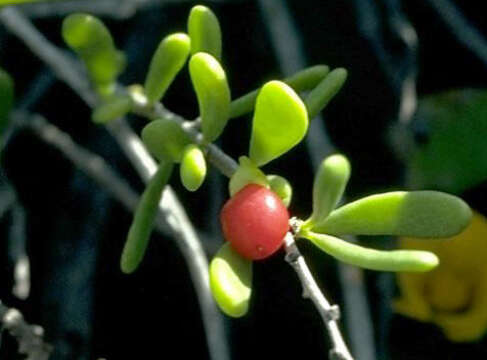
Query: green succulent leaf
(303, 80)
(247, 173)
(113, 108)
(231, 281)
(165, 139)
(141, 228)
(92, 41)
(211, 86)
(394, 260)
(281, 187)
(193, 167)
(328, 187)
(166, 63)
(321, 95)
(6, 98)
(204, 31)
(416, 213)
(280, 122)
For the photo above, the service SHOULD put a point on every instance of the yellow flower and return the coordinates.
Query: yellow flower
(454, 295)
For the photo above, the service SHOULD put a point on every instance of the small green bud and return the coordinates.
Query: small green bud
(281, 187)
(193, 167)
(114, 108)
(165, 139)
(247, 173)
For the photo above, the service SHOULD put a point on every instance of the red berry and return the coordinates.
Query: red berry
(255, 222)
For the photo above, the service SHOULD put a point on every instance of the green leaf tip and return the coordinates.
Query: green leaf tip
(417, 213)
(141, 228)
(166, 63)
(304, 80)
(165, 139)
(112, 109)
(281, 187)
(6, 98)
(92, 41)
(247, 173)
(204, 31)
(231, 281)
(321, 95)
(280, 122)
(193, 167)
(393, 260)
(213, 93)
(328, 187)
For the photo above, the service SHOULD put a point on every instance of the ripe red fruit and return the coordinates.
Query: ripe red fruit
(255, 222)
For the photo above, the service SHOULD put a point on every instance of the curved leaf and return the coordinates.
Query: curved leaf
(280, 122)
(168, 60)
(281, 187)
(204, 31)
(231, 281)
(320, 96)
(394, 260)
(417, 213)
(141, 228)
(210, 83)
(193, 167)
(165, 139)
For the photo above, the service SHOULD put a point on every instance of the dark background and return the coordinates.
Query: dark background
(75, 231)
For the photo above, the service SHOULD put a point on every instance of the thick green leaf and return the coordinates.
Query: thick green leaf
(280, 122)
(204, 31)
(231, 281)
(112, 109)
(303, 80)
(6, 98)
(395, 260)
(247, 173)
(417, 213)
(328, 187)
(92, 41)
(210, 83)
(281, 187)
(167, 61)
(320, 96)
(165, 139)
(141, 228)
(193, 167)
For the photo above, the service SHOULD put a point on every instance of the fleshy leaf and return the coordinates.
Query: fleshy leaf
(141, 228)
(168, 60)
(92, 41)
(394, 260)
(320, 96)
(416, 213)
(328, 187)
(193, 168)
(303, 80)
(112, 109)
(247, 173)
(231, 281)
(165, 139)
(204, 31)
(210, 83)
(281, 187)
(6, 98)
(280, 122)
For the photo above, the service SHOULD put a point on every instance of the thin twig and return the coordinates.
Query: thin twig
(29, 337)
(183, 232)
